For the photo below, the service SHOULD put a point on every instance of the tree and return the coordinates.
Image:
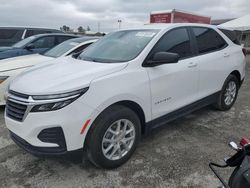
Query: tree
(65, 28)
(81, 30)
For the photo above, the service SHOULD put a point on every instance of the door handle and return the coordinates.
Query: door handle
(192, 65)
(226, 55)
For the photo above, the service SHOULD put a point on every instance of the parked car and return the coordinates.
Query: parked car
(34, 44)
(122, 87)
(12, 35)
(10, 68)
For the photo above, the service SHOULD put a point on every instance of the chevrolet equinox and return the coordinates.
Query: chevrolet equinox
(126, 84)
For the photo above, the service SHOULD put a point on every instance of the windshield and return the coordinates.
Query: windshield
(120, 46)
(61, 49)
(24, 42)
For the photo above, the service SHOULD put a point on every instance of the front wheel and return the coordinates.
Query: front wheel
(228, 94)
(113, 137)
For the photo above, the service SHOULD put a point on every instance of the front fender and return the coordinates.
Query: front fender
(126, 97)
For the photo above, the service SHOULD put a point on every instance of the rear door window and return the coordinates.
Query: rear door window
(31, 32)
(11, 33)
(61, 39)
(10, 36)
(208, 40)
(175, 41)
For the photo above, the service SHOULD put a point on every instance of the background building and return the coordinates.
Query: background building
(178, 16)
(221, 21)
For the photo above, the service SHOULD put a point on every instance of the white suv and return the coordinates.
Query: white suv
(120, 88)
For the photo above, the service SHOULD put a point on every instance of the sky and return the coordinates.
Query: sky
(106, 13)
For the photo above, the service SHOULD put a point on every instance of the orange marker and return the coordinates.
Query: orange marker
(85, 126)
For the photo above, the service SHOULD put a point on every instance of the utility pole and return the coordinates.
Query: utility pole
(119, 24)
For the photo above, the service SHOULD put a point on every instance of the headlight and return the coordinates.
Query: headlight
(56, 101)
(3, 78)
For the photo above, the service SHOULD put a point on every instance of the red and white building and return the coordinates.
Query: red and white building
(177, 16)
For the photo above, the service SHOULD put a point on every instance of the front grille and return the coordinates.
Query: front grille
(15, 110)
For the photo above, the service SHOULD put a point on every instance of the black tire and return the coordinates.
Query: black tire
(221, 104)
(99, 128)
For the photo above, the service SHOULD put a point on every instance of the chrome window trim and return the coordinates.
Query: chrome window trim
(24, 34)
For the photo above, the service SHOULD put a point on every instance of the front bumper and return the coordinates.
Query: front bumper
(70, 119)
(48, 151)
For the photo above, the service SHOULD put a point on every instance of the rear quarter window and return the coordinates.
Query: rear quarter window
(208, 40)
(231, 35)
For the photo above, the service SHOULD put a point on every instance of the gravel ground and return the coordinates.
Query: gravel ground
(173, 156)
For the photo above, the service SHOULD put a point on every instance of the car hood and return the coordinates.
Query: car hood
(62, 75)
(4, 48)
(22, 62)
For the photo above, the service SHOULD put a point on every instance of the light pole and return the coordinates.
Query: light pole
(119, 24)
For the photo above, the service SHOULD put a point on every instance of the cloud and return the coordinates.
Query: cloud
(55, 13)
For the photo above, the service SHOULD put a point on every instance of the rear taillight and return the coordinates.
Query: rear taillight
(244, 51)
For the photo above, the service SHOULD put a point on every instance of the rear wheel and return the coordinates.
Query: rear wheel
(113, 137)
(228, 94)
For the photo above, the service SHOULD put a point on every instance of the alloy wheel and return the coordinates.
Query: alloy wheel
(118, 139)
(230, 93)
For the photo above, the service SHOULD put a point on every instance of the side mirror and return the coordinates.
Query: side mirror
(30, 46)
(160, 58)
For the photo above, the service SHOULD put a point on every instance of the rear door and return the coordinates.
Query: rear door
(173, 85)
(213, 58)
